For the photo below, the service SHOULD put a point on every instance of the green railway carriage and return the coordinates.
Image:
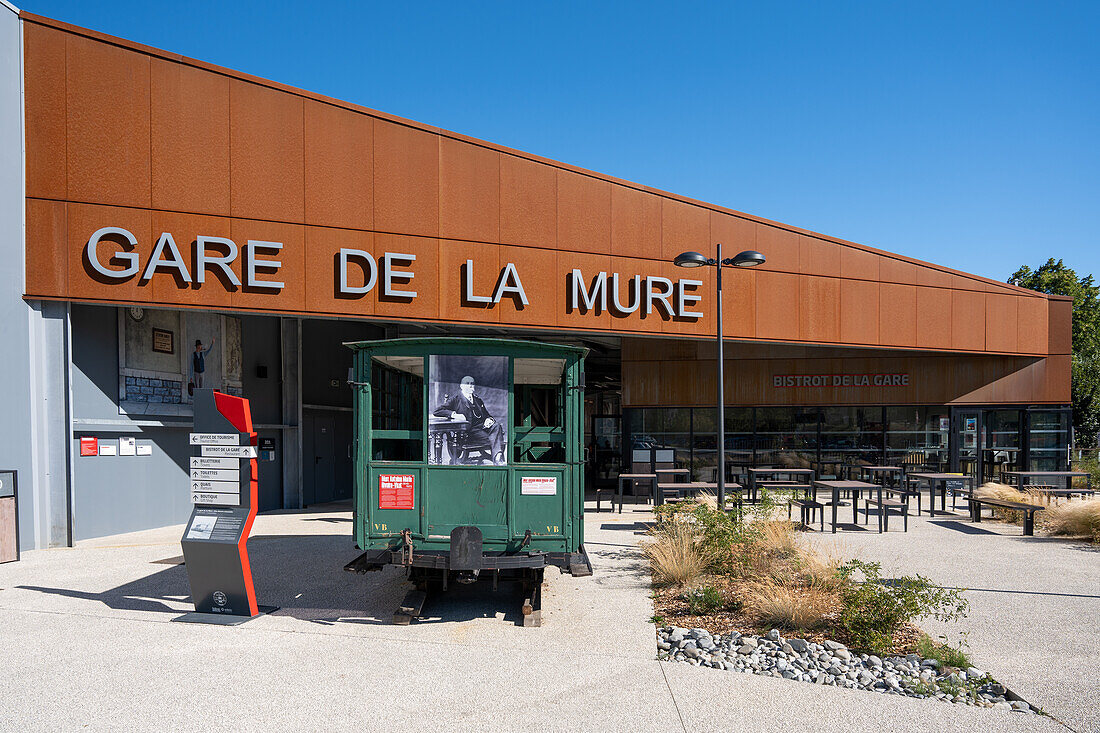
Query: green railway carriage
(469, 459)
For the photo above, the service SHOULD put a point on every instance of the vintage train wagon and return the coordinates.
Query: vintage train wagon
(469, 462)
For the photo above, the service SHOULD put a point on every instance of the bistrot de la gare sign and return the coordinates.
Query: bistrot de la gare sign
(110, 252)
(840, 380)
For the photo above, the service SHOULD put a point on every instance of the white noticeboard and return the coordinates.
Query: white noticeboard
(538, 485)
(108, 449)
(127, 446)
(215, 439)
(229, 451)
(145, 449)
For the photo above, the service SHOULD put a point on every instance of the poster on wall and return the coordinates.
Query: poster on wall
(468, 410)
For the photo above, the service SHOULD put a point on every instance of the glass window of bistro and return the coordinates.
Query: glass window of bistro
(831, 439)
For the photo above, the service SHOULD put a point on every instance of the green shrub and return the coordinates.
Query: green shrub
(702, 601)
(874, 610)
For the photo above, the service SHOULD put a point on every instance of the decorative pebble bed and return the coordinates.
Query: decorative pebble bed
(831, 663)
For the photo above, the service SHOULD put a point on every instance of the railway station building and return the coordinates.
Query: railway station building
(150, 201)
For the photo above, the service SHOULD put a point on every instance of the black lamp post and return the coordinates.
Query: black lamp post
(748, 258)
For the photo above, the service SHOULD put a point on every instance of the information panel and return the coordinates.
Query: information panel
(223, 489)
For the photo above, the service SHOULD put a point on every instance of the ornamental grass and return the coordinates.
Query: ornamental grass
(1073, 519)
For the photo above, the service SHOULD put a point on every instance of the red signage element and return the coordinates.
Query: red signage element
(395, 491)
(89, 446)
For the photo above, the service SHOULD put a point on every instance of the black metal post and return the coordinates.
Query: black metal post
(721, 397)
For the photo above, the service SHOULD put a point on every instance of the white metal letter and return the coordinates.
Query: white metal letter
(252, 263)
(635, 303)
(468, 286)
(93, 256)
(202, 259)
(370, 272)
(157, 261)
(685, 299)
(389, 274)
(509, 282)
(597, 297)
(661, 297)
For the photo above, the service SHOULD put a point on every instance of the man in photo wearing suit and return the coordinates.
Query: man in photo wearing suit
(484, 432)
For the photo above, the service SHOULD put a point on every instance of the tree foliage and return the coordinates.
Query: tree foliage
(1057, 279)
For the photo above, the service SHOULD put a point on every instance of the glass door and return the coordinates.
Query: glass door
(966, 456)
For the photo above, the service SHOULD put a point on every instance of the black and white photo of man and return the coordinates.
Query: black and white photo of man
(483, 432)
(469, 410)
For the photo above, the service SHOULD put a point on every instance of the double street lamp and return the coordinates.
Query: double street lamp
(748, 258)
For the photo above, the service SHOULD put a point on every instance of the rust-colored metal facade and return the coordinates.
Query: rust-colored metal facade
(122, 135)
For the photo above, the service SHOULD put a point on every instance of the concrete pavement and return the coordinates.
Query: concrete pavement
(88, 636)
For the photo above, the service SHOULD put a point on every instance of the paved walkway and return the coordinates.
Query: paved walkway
(87, 635)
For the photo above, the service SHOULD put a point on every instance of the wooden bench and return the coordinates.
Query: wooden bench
(1028, 510)
(806, 509)
(885, 506)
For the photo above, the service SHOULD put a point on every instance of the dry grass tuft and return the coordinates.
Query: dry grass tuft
(786, 606)
(820, 570)
(1073, 519)
(779, 537)
(677, 554)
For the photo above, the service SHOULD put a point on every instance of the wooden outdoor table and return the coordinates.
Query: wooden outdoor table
(650, 477)
(939, 481)
(756, 474)
(835, 487)
(1020, 477)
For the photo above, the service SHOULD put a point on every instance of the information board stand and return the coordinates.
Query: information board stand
(224, 491)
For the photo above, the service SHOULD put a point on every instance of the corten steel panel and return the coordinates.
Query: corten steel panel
(779, 246)
(734, 233)
(339, 167)
(1031, 315)
(857, 264)
(589, 265)
(967, 320)
(322, 245)
(469, 191)
(44, 111)
(84, 282)
(538, 271)
(818, 257)
(584, 214)
(452, 278)
(528, 202)
(819, 308)
(266, 153)
(1060, 326)
(684, 228)
(893, 270)
(107, 100)
(1016, 379)
(167, 284)
(932, 277)
(426, 283)
(635, 223)
(406, 180)
(933, 318)
(738, 303)
(897, 314)
(1000, 322)
(190, 139)
(47, 268)
(777, 305)
(291, 272)
(1057, 382)
(859, 309)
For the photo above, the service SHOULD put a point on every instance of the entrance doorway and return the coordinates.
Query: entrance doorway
(966, 454)
(320, 477)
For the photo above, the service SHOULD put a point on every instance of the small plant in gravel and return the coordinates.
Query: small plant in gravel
(704, 600)
(678, 553)
(874, 610)
(944, 653)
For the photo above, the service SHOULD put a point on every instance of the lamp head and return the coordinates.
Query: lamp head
(748, 258)
(691, 259)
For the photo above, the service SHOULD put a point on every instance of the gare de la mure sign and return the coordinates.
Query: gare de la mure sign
(110, 252)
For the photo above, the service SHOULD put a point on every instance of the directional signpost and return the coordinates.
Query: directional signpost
(223, 490)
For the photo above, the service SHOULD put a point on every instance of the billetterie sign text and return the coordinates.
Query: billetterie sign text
(111, 253)
(840, 380)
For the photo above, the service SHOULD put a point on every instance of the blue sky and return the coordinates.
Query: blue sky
(964, 133)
